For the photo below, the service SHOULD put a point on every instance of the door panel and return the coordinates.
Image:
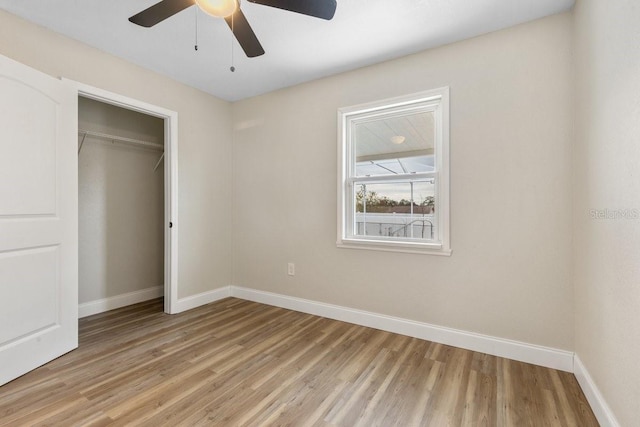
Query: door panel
(29, 304)
(38, 219)
(30, 120)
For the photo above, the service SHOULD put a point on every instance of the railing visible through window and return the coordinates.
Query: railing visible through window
(396, 209)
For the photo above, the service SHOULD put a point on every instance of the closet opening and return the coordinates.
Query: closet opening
(127, 225)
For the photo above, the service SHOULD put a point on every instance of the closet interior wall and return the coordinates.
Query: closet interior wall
(120, 202)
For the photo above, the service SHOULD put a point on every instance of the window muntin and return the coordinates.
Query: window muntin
(394, 174)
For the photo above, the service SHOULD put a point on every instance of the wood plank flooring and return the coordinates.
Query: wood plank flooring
(239, 363)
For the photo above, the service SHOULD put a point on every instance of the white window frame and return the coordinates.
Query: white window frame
(436, 100)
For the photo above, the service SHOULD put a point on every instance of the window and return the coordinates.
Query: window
(394, 174)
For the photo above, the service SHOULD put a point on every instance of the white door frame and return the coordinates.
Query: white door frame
(170, 180)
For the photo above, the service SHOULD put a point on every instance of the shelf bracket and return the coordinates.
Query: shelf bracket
(82, 142)
(158, 164)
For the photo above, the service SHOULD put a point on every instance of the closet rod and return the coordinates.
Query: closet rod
(120, 139)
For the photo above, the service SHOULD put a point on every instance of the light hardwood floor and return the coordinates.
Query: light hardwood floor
(235, 362)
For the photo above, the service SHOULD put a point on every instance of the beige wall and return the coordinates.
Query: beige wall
(120, 203)
(204, 153)
(511, 115)
(607, 166)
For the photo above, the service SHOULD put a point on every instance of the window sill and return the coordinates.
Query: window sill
(404, 247)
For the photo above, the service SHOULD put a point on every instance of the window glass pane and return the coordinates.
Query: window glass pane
(397, 210)
(395, 143)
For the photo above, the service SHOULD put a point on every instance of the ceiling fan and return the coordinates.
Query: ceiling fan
(230, 11)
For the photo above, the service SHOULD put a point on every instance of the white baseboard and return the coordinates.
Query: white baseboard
(515, 350)
(100, 306)
(599, 406)
(187, 303)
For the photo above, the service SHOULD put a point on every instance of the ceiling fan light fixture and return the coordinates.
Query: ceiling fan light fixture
(218, 8)
(232, 13)
(398, 139)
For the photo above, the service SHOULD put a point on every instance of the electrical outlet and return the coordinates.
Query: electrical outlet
(291, 269)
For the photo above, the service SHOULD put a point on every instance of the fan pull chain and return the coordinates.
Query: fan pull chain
(196, 45)
(233, 34)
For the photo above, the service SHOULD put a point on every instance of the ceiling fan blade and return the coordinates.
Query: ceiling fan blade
(244, 34)
(324, 9)
(160, 11)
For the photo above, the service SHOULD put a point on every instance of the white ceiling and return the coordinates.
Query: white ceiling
(298, 48)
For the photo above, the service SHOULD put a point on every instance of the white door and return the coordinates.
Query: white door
(38, 219)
